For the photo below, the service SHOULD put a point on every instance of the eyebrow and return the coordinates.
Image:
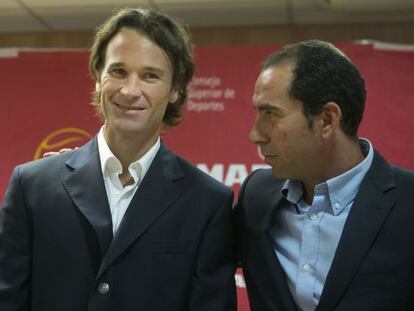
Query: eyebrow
(156, 70)
(266, 106)
(116, 65)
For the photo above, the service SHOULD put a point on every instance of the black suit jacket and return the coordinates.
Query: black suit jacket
(173, 250)
(373, 267)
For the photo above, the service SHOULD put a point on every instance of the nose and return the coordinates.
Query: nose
(256, 136)
(131, 87)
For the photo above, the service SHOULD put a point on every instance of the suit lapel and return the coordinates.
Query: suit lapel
(86, 188)
(284, 299)
(156, 193)
(369, 211)
(265, 209)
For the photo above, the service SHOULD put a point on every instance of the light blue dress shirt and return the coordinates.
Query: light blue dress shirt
(306, 237)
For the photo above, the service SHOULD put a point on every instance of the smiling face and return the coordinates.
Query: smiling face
(135, 86)
(290, 146)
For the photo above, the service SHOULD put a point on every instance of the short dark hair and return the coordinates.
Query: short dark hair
(168, 34)
(322, 73)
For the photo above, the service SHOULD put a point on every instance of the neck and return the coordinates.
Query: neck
(336, 159)
(128, 148)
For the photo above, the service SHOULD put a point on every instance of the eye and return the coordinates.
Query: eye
(270, 114)
(118, 72)
(151, 77)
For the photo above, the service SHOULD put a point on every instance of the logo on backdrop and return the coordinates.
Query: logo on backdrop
(209, 93)
(68, 137)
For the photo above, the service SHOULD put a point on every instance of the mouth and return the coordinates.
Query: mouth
(267, 155)
(127, 108)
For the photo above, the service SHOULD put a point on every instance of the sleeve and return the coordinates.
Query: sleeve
(213, 286)
(15, 256)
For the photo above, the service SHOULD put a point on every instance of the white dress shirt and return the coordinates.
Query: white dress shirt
(119, 197)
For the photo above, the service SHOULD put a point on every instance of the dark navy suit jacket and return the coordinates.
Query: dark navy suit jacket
(173, 250)
(373, 267)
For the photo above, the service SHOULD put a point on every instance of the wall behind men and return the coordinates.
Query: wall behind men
(45, 96)
(249, 43)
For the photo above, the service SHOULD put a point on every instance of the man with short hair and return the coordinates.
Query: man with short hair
(331, 225)
(121, 223)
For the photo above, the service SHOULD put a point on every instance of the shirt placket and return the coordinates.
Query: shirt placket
(308, 253)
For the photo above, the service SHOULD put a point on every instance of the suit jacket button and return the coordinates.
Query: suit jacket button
(103, 288)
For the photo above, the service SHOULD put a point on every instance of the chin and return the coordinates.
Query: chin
(129, 125)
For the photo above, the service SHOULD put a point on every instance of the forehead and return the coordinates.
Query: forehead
(273, 84)
(275, 79)
(272, 89)
(130, 47)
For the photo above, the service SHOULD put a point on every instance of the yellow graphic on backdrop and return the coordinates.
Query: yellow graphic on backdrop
(61, 138)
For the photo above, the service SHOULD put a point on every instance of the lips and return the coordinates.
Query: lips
(267, 155)
(124, 107)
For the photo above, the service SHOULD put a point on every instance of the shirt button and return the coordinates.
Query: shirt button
(103, 288)
(313, 216)
(337, 206)
(306, 268)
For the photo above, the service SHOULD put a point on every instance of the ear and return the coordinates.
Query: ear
(173, 95)
(330, 117)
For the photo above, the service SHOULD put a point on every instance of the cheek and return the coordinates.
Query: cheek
(279, 135)
(264, 126)
(162, 94)
(109, 86)
(159, 97)
(107, 90)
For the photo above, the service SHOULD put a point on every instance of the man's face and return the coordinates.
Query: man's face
(281, 129)
(135, 86)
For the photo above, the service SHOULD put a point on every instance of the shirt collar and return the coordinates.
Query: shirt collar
(292, 190)
(342, 189)
(110, 165)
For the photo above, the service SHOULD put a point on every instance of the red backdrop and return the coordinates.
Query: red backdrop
(45, 96)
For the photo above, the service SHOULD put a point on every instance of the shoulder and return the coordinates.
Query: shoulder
(403, 173)
(262, 177)
(261, 181)
(48, 166)
(404, 178)
(382, 172)
(32, 179)
(259, 193)
(389, 182)
(203, 194)
(57, 166)
(200, 179)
